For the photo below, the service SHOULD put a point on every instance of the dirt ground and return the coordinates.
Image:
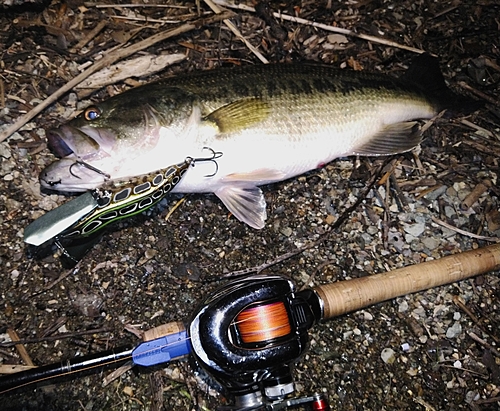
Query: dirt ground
(150, 270)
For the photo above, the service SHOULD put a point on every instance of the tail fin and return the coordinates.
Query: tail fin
(424, 72)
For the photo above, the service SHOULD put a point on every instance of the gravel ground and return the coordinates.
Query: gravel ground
(412, 353)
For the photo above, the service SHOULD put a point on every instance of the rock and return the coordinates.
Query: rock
(414, 229)
(388, 355)
(430, 243)
(403, 306)
(454, 330)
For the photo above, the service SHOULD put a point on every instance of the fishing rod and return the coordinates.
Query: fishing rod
(249, 333)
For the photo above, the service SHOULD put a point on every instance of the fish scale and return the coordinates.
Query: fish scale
(268, 122)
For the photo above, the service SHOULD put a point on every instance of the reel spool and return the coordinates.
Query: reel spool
(248, 335)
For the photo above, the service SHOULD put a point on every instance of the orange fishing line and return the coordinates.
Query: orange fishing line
(263, 323)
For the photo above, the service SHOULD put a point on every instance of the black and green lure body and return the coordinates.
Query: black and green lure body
(92, 211)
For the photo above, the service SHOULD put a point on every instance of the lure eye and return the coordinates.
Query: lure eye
(91, 113)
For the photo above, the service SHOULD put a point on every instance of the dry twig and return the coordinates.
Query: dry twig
(117, 373)
(331, 229)
(478, 93)
(236, 32)
(483, 343)
(55, 337)
(86, 39)
(111, 57)
(463, 232)
(326, 27)
(20, 347)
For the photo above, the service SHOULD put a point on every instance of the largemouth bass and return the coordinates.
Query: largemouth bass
(256, 125)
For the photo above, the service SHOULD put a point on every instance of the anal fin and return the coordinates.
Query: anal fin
(256, 177)
(392, 139)
(245, 202)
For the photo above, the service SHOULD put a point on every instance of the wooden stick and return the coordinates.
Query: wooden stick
(236, 32)
(55, 337)
(474, 195)
(463, 232)
(20, 347)
(110, 57)
(346, 296)
(94, 32)
(14, 368)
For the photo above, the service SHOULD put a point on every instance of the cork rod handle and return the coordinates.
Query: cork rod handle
(346, 296)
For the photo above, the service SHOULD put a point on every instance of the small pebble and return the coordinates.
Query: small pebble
(431, 243)
(471, 396)
(454, 330)
(368, 316)
(403, 306)
(128, 391)
(436, 193)
(414, 229)
(388, 355)
(5, 150)
(449, 211)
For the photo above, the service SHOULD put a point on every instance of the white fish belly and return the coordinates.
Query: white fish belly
(289, 147)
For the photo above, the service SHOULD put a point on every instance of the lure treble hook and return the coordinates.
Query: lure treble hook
(213, 158)
(87, 165)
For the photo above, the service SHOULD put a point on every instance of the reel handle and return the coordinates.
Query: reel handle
(351, 295)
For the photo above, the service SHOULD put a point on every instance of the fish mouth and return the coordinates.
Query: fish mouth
(77, 148)
(57, 144)
(71, 175)
(83, 142)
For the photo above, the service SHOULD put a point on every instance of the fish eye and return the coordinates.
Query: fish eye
(91, 113)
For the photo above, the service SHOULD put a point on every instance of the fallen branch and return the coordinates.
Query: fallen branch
(110, 57)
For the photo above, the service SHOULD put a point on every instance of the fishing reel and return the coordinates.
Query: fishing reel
(248, 335)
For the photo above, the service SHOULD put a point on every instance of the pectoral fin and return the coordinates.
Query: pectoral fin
(239, 115)
(245, 202)
(392, 139)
